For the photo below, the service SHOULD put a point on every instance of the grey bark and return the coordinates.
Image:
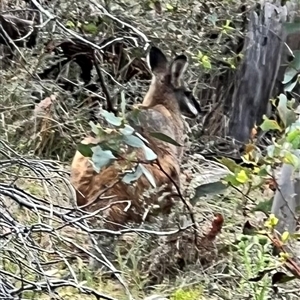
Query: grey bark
(286, 199)
(257, 74)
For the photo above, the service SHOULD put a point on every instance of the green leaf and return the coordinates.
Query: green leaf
(133, 141)
(211, 188)
(269, 125)
(95, 127)
(85, 150)
(111, 118)
(149, 154)
(293, 68)
(129, 177)
(232, 180)
(242, 177)
(164, 138)
(291, 159)
(271, 150)
(70, 24)
(148, 175)
(285, 236)
(101, 158)
(90, 28)
(213, 18)
(206, 62)
(229, 163)
(286, 115)
(169, 7)
(290, 86)
(289, 75)
(293, 137)
(127, 130)
(133, 116)
(262, 171)
(264, 206)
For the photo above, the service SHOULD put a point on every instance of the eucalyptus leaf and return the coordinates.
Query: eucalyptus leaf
(161, 136)
(289, 74)
(95, 128)
(286, 115)
(133, 141)
(90, 28)
(111, 118)
(101, 158)
(149, 154)
(293, 68)
(130, 177)
(290, 86)
(211, 188)
(127, 130)
(293, 137)
(269, 125)
(229, 163)
(148, 175)
(290, 158)
(271, 150)
(85, 150)
(70, 24)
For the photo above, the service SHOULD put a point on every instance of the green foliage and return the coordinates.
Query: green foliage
(285, 111)
(259, 264)
(90, 28)
(204, 60)
(85, 150)
(269, 125)
(70, 24)
(164, 138)
(101, 158)
(227, 28)
(187, 294)
(290, 81)
(113, 145)
(209, 189)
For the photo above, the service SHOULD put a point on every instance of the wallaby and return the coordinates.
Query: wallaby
(162, 110)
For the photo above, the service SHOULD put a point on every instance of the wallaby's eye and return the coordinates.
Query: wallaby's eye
(188, 94)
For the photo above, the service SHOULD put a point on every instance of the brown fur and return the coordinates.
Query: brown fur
(160, 111)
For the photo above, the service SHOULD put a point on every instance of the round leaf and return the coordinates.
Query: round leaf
(111, 118)
(133, 141)
(85, 150)
(242, 177)
(129, 177)
(149, 154)
(101, 158)
(269, 125)
(127, 130)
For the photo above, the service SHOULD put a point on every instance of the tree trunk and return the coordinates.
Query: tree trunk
(255, 79)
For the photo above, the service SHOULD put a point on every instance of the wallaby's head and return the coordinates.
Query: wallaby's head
(167, 87)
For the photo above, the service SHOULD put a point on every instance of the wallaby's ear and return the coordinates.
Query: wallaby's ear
(157, 61)
(177, 69)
